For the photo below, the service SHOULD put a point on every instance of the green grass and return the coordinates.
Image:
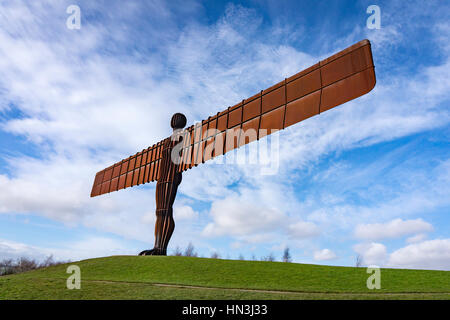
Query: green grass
(131, 277)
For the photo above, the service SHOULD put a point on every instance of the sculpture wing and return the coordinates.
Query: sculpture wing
(340, 78)
(138, 169)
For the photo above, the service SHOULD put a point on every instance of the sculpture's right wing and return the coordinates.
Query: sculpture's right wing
(342, 77)
(137, 169)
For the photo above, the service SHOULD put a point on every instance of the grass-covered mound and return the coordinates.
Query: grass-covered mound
(133, 277)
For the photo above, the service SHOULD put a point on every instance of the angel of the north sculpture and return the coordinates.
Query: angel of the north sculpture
(342, 77)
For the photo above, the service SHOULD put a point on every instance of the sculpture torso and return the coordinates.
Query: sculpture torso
(166, 190)
(169, 178)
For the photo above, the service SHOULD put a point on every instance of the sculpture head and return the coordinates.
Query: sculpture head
(178, 121)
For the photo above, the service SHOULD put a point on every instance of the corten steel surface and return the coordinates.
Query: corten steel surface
(340, 78)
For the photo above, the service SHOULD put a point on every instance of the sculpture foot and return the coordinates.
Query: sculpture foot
(146, 253)
(152, 252)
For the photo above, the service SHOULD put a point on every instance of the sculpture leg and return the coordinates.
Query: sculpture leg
(163, 230)
(164, 227)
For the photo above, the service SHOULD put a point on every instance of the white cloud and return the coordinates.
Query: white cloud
(324, 254)
(392, 229)
(431, 254)
(417, 238)
(388, 191)
(238, 215)
(90, 247)
(303, 229)
(372, 253)
(262, 213)
(184, 213)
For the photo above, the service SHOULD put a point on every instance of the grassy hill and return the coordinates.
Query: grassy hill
(132, 277)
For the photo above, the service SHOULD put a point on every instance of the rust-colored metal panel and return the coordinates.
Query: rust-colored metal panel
(157, 147)
(252, 109)
(96, 190)
(303, 72)
(249, 131)
(186, 157)
(151, 153)
(108, 174)
(114, 184)
(116, 170)
(141, 175)
(145, 173)
(158, 169)
(303, 85)
(204, 129)
(191, 135)
(337, 70)
(203, 144)
(345, 65)
(138, 161)
(232, 138)
(135, 177)
(222, 122)
(182, 150)
(192, 156)
(235, 117)
(195, 154)
(129, 179)
(302, 108)
(209, 149)
(272, 88)
(335, 80)
(219, 143)
(273, 99)
(353, 47)
(99, 178)
(124, 167)
(152, 172)
(201, 150)
(122, 180)
(198, 133)
(144, 157)
(131, 164)
(347, 89)
(100, 188)
(272, 120)
(212, 125)
(186, 152)
(105, 187)
(362, 58)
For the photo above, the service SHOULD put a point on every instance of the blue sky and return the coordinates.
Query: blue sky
(368, 178)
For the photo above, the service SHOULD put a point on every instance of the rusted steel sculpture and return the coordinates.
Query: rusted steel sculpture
(166, 190)
(333, 81)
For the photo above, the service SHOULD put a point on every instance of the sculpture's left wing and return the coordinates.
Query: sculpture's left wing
(333, 81)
